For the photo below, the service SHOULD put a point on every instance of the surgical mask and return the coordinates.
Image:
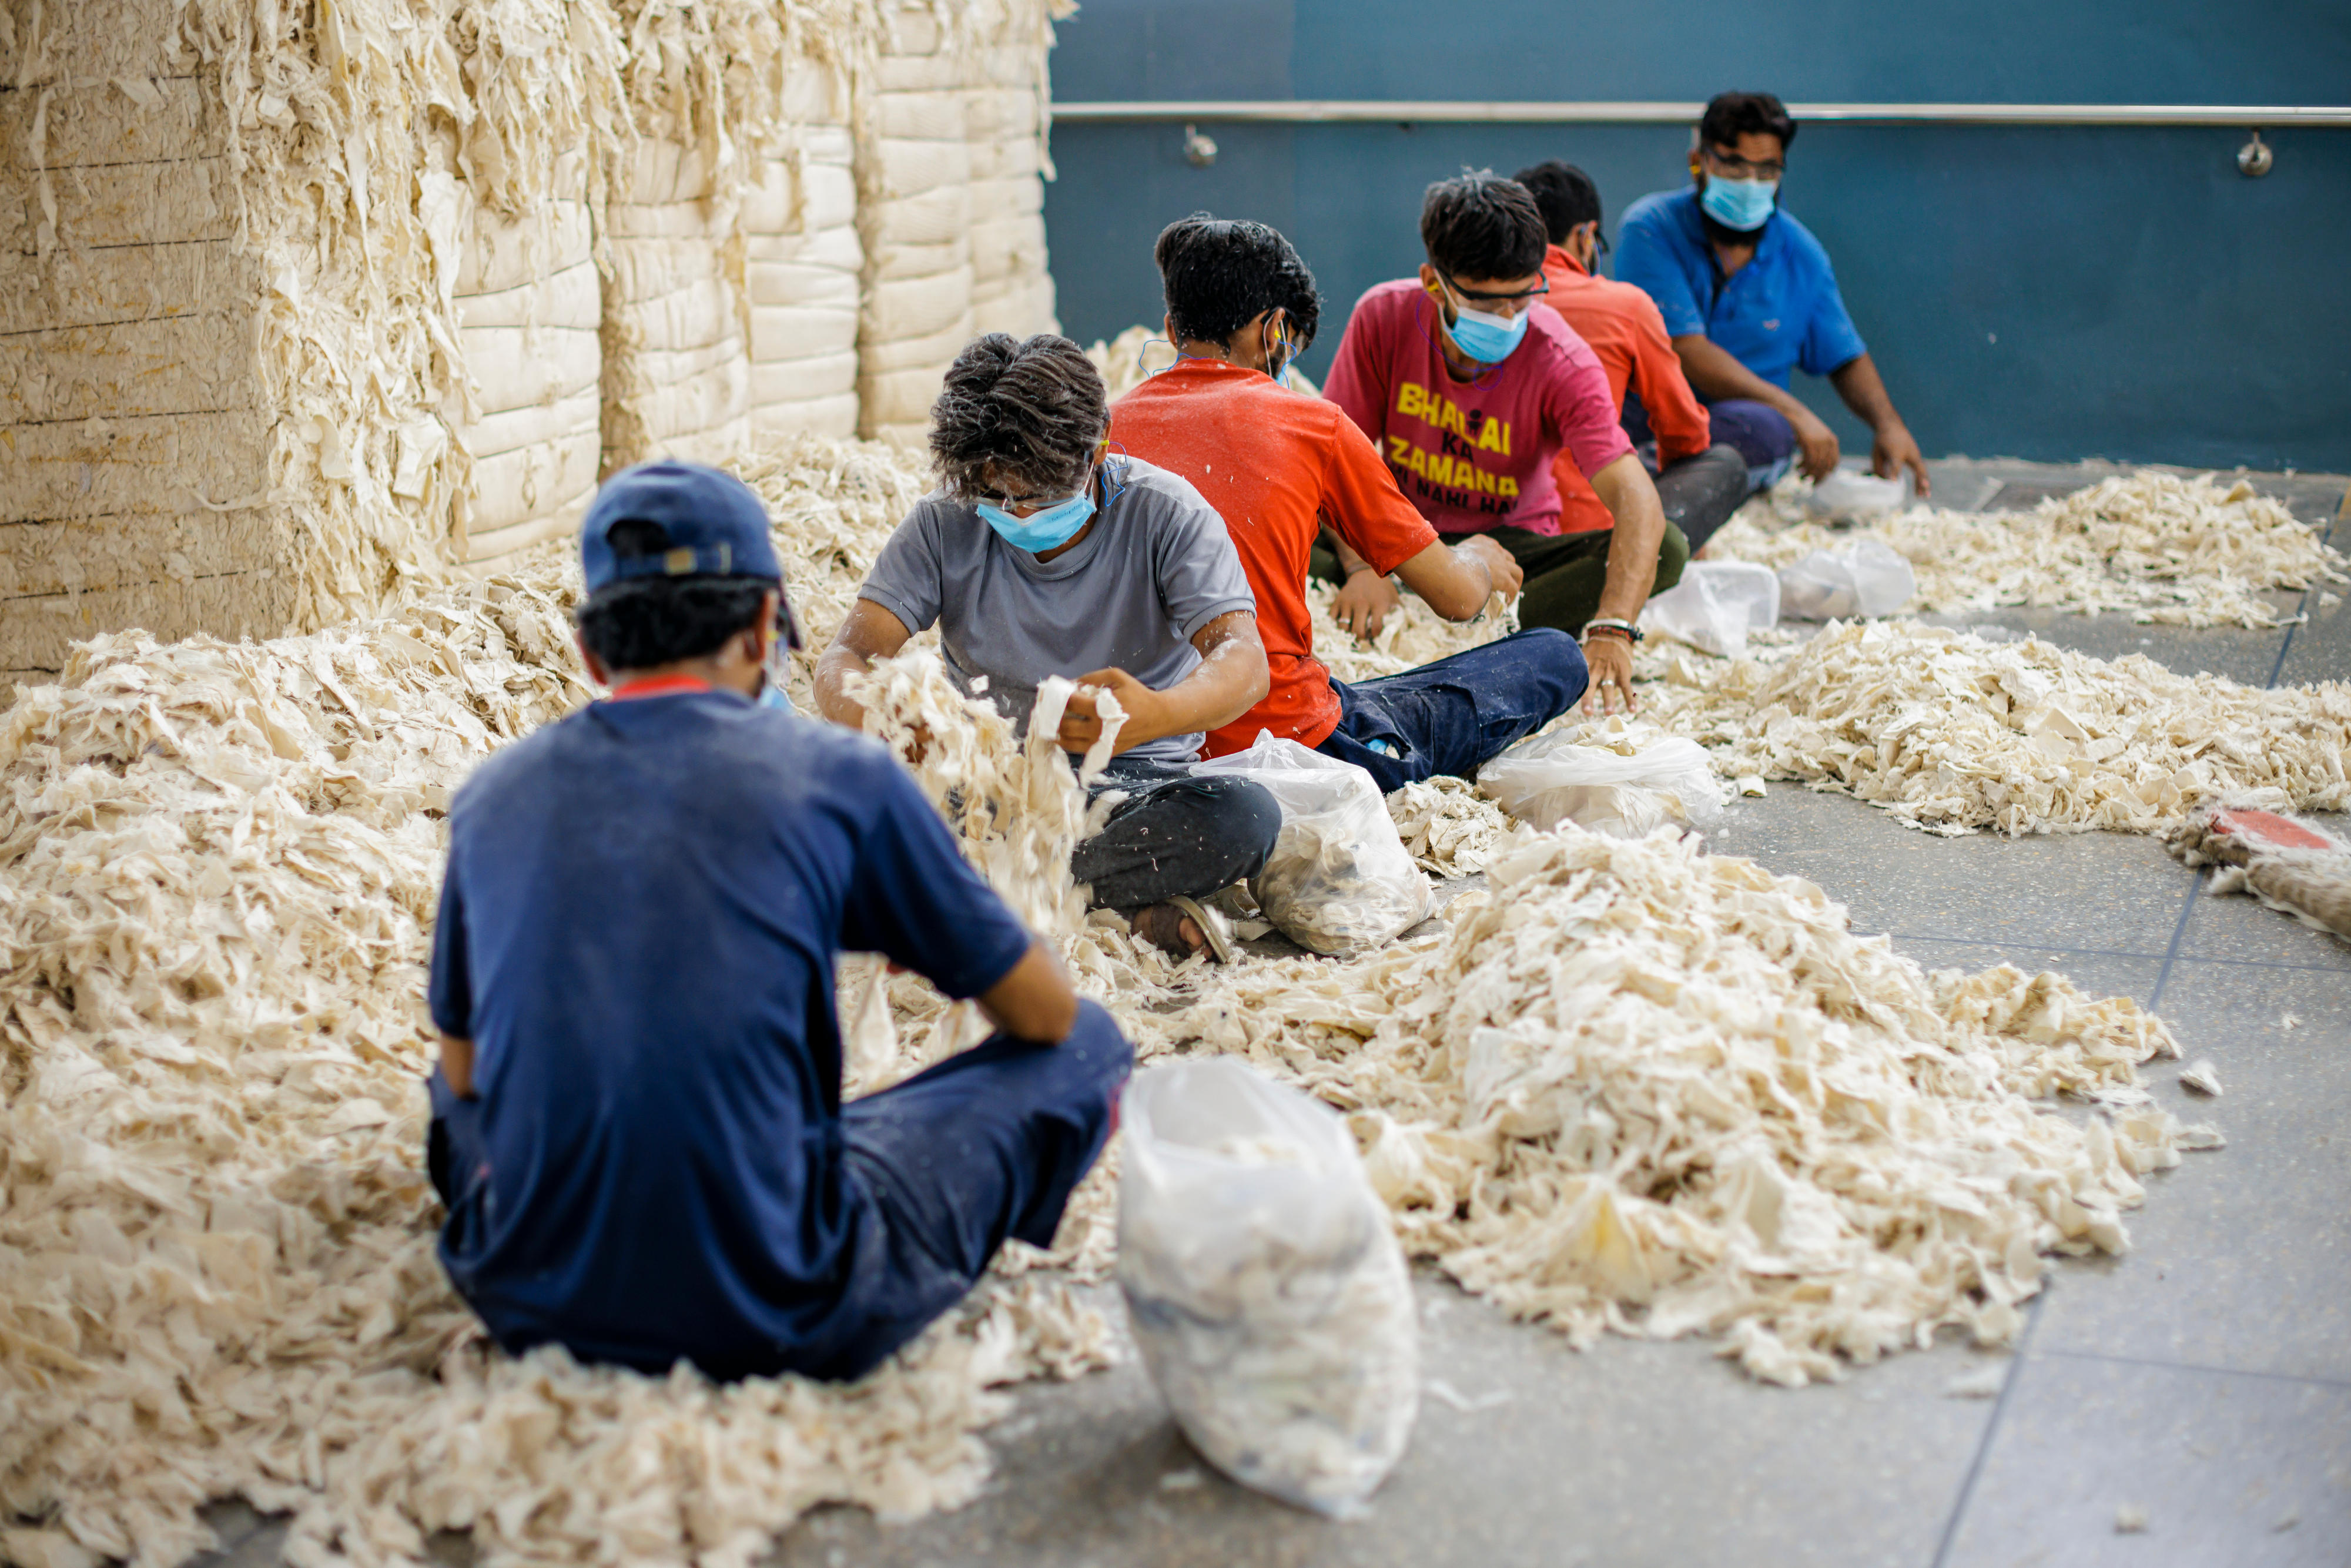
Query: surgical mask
(1047, 529)
(1485, 337)
(1740, 204)
(773, 672)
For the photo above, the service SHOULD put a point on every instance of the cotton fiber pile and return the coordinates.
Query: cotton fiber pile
(1641, 1089)
(2159, 548)
(1952, 733)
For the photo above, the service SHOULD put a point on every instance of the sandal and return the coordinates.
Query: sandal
(1216, 938)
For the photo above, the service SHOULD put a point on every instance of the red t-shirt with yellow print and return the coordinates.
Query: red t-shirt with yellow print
(1474, 456)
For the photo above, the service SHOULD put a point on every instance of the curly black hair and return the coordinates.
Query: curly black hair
(1480, 225)
(1564, 194)
(1221, 274)
(1013, 412)
(1731, 115)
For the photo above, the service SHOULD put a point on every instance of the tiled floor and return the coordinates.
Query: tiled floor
(2203, 1383)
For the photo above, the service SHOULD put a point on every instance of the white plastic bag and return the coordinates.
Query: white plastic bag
(1715, 605)
(1618, 782)
(1339, 879)
(1866, 578)
(1855, 495)
(1266, 1290)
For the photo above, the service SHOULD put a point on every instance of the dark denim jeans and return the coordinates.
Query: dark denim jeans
(1452, 716)
(1761, 432)
(1175, 834)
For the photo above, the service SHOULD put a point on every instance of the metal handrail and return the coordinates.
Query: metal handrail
(1329, 112)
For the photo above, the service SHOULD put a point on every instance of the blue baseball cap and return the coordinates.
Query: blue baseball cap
(716, 525)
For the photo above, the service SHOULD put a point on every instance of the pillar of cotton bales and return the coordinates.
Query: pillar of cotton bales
(227, 339)
(915, 214)
(530, 309)
(803, 261)
(1011, 289)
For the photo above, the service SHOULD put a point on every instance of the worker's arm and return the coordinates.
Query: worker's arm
(1892, 447)
(1230, 679)
(1677, 418)
(1716, 376)
(1456, 580)
(1035, 1001)
(1625, 489)
(867, 635)
(457, 1065)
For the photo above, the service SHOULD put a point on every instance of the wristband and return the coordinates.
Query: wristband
(1625, 629)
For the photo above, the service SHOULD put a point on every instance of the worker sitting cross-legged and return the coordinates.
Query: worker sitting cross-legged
(1700, 482)
(1044, 553)
(1277, 466)
(1749, 296)
(1471, 387)
(637, 1124)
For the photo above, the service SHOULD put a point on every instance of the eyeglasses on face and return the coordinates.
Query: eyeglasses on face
(1734, 167)
(1479, 296)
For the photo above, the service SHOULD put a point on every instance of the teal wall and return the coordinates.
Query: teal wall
(2052, 293)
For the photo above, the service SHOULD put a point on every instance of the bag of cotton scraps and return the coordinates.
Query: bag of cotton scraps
(1638, 1088)
(1267, 1295)
(1609, 777)
(1951, 733)
(1339, 878)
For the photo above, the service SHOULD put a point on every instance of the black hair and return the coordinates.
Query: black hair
(644, 623)
(1480, 225)
(1221, 274)
(1731, 115)
(1564, 194)
(1032, 412)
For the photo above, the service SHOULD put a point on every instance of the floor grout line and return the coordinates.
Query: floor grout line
(2178, 933)
(2310, 594)
(2198, 1367)
(1991, 1426)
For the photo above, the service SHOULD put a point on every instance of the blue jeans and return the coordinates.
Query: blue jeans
(938, 1171)
(1453, 716)
(1174, 834)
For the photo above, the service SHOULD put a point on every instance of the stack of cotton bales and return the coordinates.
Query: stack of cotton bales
(1005, 122)
(804, 264)
(530, 309)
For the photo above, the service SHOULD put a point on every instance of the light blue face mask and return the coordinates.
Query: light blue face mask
(1047, 529)
(1740, 204)
(1485, 337)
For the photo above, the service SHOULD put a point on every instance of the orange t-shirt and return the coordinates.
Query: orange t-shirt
(1275, 466)
(1623, 328)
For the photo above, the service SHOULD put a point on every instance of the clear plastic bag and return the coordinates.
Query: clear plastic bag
(1265, 1289)
(1868, 578)
(1715, 605)
(1625, 786)
(1340, 879)
(1855, 495)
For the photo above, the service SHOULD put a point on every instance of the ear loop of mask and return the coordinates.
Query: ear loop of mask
(1145, 374)
(1289, 351)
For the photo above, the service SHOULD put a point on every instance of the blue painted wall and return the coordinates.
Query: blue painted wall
(2049, 293)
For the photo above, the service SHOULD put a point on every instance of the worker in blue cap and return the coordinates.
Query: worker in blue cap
(637, 1122)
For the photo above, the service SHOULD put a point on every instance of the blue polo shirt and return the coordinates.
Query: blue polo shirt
(1780, 312)
(637, 931)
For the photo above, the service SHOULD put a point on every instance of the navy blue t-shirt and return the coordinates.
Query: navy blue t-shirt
(637, 932)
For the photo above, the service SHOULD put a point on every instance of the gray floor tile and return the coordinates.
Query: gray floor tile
(2321, 648)
(1632, 1453)
(2244, 656)
(2230, 1471)
(2242, 1256)
(2236, 927)
(2097, 892)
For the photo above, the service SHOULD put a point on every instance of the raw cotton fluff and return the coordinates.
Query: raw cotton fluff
(1641, 1089)
(216, 1264)
(2159, 548)
(1952, 733)
(1450, 829)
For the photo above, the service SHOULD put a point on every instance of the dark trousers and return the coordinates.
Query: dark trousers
(937, 1171)
(1758, 432)
(1455, 715)
(1175, 834)
(1698, 494)
(1565, 572)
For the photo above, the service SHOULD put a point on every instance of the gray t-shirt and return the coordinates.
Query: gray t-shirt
(1157, 567)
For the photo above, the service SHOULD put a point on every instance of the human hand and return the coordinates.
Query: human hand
(1894, 450)
(1610, 659)
(1500, 564)
(1365, 602)
(1082, 720)
(1816, 445)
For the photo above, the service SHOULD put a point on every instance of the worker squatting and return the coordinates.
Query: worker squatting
(638, 1128)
